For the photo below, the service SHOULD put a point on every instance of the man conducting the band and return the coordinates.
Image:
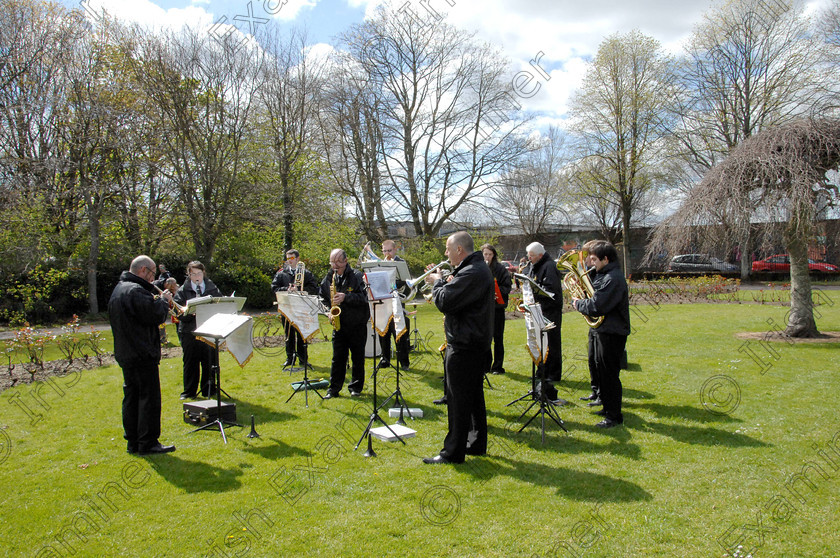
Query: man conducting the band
(284, 280)
(467, 300)
(351, 334)
(389, 254)
(135, 316)
(611, 300)
(543, 270)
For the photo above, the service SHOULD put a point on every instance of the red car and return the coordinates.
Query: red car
(781, 262)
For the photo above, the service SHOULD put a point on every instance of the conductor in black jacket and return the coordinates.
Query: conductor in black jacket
(611, 300)
(196, 354)
(351, 298)
(466, 299)
(284, 280)
(135, 315)
(496, 359)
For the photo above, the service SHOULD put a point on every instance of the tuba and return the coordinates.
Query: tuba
(577, 281)
(335, 310)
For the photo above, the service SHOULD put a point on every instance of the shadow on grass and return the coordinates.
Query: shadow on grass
(570, 483)
(698, 435)
(272, 449)
(262, 415)
(687, 412)
(195, 476)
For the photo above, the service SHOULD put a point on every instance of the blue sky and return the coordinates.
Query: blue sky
(562, 34)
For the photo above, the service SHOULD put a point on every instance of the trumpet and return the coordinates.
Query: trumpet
(419, 282)
(300, 271)
(335, 310)
(175, 309)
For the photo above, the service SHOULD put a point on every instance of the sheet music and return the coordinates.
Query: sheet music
(381, 284)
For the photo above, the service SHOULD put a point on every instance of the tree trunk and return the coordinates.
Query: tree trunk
(92, 260)
(801, 318)
(746, 264)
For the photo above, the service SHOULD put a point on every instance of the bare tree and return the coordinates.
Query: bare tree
(750, 64)
(782, 170)
(533, 195)
(620, 116)
(446, 113)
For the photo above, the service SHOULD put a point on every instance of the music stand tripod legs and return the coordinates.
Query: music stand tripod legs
(305, 386)
(217, 378)
(397, 395)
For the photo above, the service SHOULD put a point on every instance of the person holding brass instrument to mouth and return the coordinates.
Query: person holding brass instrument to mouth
(389, 254)
(289, 278)
(197, 354)
(607, 340)
(343, 292)
(467, 300)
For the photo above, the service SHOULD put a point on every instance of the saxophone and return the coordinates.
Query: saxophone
(335, 310)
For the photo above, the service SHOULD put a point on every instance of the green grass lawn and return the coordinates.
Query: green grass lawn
(715, 430)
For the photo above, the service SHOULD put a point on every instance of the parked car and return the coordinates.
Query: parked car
(781, 263)
(700, 263)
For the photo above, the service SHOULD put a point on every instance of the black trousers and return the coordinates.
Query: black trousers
(141, 406)
(496, 357)
(294, 343)
(608, 350)
(593, 372)
(465, 406)
(348, 341)
(198, 361)
(554, 361)
(403, 343)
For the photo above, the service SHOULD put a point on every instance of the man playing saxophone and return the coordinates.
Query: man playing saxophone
(349, 339)
(288, 279)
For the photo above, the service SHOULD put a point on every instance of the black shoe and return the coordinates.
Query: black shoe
(290, 361)
(185, 396)
(441, 401)
(497, 371)
(131, 449)
(600, 413)
(594, 403)
(330, 395)
(355, 393)
(384, 363)
(157, 449)
(405, 366)
(435, 460)
(608, 423)
(559, 402)
(590, 397)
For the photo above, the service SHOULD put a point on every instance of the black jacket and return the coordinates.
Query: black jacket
(355, 310)
(544, 272)
(502, 276)
(611, 300)
(468, 303)
(186, 324)
(135, 315)
(286, 276)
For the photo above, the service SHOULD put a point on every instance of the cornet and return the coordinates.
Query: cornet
(175, 309)
(419, 282)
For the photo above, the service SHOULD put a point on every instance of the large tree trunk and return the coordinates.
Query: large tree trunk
(801, 318)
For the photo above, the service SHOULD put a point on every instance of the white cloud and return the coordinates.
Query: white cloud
(149, 14)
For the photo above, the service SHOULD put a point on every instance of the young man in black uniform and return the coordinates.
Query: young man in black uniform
(284, 280)
(389, 253)
(466, 299)
(611, 300)
(351, 298)
(197, 354)
(135, 315)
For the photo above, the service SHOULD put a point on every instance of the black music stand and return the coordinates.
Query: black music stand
(218, 328)
(305, 386)
(375, 297)
(397, 395)
(538, 397)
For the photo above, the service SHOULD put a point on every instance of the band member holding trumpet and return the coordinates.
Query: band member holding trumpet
(343, 291)
(607, 340)
(389, 254)
(288, 279)
(196, 354)
(466, 298)
(135, 314)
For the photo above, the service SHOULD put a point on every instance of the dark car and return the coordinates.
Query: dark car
(700, 263)
(781, 263)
